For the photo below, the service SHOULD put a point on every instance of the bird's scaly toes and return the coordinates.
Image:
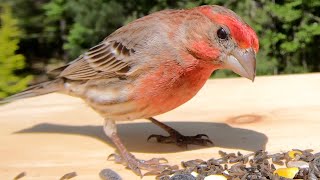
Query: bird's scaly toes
(154, 166)
(181, 140)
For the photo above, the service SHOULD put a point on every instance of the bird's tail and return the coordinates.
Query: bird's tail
(36, 90)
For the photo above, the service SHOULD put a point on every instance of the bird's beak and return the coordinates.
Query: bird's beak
(242, 62)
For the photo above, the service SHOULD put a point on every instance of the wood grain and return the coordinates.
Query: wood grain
(55, 134)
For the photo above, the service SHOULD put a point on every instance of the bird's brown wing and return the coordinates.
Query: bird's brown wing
(112, 56)
(105, 59)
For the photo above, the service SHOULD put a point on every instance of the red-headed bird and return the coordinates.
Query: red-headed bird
(153, 65)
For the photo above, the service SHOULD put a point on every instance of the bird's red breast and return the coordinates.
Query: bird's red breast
(171, 85)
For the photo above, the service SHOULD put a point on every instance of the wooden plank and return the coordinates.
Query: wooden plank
(54, 134)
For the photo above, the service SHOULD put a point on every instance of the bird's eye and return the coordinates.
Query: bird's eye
(222, 34)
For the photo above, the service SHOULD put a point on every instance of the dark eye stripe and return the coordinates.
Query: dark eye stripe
(222, 34)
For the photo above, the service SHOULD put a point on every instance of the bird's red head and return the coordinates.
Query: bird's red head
(235, 40)
(242, 33)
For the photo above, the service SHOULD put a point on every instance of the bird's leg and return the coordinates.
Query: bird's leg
(154, 166)
(177, 138)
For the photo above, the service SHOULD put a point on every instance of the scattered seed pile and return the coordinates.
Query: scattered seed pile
(295, 164)
(260, 165)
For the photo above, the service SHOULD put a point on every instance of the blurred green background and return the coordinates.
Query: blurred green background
(38, 35)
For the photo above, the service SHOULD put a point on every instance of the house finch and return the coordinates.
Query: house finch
(153, 65)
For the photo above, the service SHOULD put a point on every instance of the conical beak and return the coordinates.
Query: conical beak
(242, 62)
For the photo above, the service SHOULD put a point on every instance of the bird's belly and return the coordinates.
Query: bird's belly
(144, 107)
(122, 111)
(115, 102)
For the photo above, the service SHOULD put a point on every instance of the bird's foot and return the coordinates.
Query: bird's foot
(154, 166)
(181, 140)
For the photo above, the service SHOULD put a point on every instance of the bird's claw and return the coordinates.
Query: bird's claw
(154, 172)
(155, 161)
(201, 135)
(117, 158)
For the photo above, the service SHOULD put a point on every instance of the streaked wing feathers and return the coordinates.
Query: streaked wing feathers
(103, 59)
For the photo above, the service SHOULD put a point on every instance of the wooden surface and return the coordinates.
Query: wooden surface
(55, 134)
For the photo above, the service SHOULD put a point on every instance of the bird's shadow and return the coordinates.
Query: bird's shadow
(134, 135)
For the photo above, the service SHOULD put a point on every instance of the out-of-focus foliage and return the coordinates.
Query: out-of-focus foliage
(59, 30)
(10, 82)
(83, 22)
